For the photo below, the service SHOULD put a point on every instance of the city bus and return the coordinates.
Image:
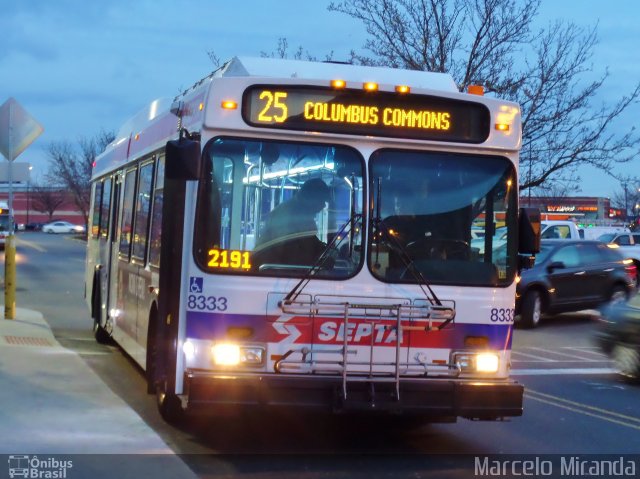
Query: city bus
(5, 223)
(210, 266)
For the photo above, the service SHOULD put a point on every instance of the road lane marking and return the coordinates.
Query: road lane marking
(560, 371)
(558, 353)
(30, 244)
(585, 409)
(596, 351)
(536, 358)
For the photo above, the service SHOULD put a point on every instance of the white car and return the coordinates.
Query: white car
(62, 227)
(499, 239)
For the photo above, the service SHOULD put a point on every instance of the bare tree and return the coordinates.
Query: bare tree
(628, 196)
(46, 200)
(71, 166)
(282, 51)
(492, 43)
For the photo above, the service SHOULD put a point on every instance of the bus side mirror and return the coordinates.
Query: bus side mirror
(182, 161)
(529, 231)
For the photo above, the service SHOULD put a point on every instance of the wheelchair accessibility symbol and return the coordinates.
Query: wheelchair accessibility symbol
(195, 284)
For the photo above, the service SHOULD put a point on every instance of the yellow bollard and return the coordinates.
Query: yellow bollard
(10, 278)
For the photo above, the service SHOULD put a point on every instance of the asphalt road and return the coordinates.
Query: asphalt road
(574, 404)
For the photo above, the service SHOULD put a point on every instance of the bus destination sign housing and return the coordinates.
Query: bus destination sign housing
(359, 112)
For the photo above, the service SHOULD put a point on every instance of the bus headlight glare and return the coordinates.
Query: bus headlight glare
(189, 349)
(477, 362)
(226, 354)
(487, 363)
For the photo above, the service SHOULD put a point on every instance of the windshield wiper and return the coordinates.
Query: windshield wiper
(391, 241)
(356, 218)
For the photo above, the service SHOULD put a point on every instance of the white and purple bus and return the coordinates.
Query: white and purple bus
(205, 267)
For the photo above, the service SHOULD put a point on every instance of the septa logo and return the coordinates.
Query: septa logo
(358, 333)
(290, 332)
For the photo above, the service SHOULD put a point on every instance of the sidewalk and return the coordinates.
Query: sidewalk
(51, 402)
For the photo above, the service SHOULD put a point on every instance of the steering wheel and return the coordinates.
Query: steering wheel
(443, 249)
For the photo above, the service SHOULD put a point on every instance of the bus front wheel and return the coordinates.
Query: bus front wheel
(169, 405)
(100, 334)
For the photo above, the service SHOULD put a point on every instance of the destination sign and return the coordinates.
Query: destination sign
(359, 112)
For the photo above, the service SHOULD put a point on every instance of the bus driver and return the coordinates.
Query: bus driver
(290, 233)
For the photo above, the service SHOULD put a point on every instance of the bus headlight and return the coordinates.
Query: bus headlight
(477, 362)
(229, 354)
(226, 354)
(487, 363)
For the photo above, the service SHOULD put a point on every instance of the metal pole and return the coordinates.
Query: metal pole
(530, 163)
(10, 246)
(626, 214)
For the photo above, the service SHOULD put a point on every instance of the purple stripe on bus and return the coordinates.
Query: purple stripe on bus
(210, 326)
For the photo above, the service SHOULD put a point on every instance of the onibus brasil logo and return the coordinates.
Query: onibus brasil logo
(38, 468)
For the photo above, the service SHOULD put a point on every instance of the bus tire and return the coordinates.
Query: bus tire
(152, 351)
(99, 332)
(531, 310)
(169, 405)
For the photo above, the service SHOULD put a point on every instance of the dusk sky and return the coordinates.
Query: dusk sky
(80, 66)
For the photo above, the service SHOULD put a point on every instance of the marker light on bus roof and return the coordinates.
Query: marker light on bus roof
(475, 90)
(338, 84)
(370, 86)
(201, 106)
(403, 89)
(229, 104)
(502, 127)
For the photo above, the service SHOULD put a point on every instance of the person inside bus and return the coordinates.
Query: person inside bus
(290, 233)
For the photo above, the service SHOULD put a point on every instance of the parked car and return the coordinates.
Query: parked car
(572, 275)
(628, 244)
(62, 227)
(33, 226)
(621, 239)
(499, 239)
(619, 336)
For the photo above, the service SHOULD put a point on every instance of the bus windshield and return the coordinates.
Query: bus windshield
(4, 222)
(427, 210)
(280, 208)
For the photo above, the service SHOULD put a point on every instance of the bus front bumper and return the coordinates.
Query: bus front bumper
(471, 399)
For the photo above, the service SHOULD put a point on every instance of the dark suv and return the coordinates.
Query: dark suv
(572, 275)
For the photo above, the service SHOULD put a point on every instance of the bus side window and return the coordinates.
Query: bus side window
(127, 213)
(142, 209)
(105, 208)
(156, 216)
(97, 202)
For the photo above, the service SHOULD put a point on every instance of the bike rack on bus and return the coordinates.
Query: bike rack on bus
(427, 317)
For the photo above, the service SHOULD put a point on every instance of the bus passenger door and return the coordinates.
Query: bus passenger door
(111, 260)
(108, 219)
(124, 303)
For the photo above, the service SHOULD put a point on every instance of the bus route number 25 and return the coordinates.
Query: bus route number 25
(275, 107)
(502, 315)
(200, 302)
